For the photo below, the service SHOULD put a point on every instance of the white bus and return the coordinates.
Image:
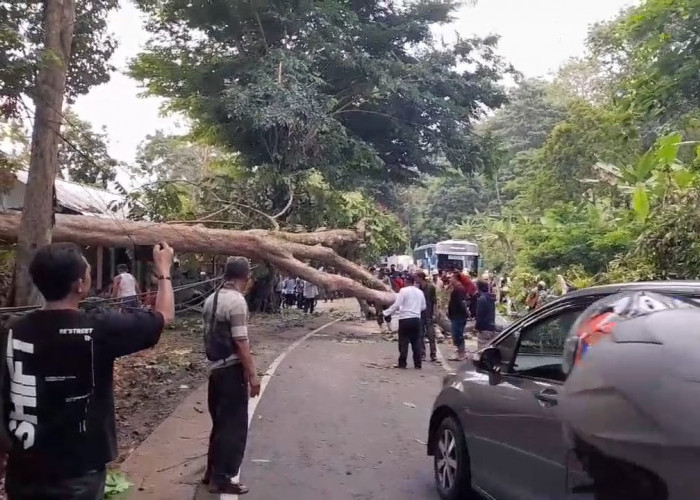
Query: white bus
(402, 262)
(446, 255)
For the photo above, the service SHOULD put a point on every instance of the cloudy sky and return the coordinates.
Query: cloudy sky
(536, 37)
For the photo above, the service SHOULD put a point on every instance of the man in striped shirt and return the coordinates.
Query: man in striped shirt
(230, 379)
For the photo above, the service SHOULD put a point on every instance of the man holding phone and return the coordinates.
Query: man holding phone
(59, 398)
(232, 375)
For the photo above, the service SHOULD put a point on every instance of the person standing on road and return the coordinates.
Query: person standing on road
(126, 288)
(535, 298)
(232, 374)
(60, 394)
(428, 316)
(458, 312)
(310, 295)
(410, 303)
(485, 315)
(379, 309)
(279, 290)
(288, 292)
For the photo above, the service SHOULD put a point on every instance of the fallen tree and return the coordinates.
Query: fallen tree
(286, 251)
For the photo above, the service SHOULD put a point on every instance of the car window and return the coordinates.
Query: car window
(541, 349)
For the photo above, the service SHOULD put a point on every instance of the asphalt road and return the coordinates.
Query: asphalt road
(337, 422)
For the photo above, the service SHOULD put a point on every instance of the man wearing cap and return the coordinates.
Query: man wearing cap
(232, 375)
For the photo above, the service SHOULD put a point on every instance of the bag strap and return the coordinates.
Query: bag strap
(212, 321)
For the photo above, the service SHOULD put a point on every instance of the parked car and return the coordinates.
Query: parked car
(495, 430)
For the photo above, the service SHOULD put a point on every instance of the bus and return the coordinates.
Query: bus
(402, 262)
(449, 254)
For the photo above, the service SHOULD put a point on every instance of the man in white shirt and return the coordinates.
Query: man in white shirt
(310, 293)
(126, 288)
(288, 292)
(410, 302)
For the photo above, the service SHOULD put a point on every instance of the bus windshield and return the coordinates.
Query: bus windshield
(457, 254)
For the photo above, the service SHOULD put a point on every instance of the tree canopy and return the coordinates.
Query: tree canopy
(359, 91)
(21, 48)
(595, 173)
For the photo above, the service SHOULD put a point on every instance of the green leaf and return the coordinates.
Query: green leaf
(684, 178)
(644, 166)
(668, 148)
(116, 483)
(640, 202)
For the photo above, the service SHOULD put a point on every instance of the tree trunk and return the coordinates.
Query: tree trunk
(272, 247)
(35, 227)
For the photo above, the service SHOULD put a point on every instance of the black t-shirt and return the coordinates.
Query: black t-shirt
(59, 400)
(456, 308)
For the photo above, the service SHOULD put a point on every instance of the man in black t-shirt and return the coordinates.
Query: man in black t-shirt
(58, 399)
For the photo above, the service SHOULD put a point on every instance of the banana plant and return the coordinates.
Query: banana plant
(655, 175)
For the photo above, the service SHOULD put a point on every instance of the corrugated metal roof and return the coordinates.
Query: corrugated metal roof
(86, 200)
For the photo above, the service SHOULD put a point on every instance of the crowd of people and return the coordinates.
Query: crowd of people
(295, 292)
(416, 305)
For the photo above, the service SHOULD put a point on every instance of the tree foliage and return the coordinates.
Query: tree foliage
(198, 182)
(21, 38)
(662, 40)
(82, 154)
(430, 211)
(600, 169)
(359, 91)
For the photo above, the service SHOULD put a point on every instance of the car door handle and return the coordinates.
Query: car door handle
(547, 397)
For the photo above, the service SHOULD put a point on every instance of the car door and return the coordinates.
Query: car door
(516, 444)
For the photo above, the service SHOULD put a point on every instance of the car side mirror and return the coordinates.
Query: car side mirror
(489, 361)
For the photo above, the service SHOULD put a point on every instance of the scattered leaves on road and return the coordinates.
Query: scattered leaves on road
(116, 483)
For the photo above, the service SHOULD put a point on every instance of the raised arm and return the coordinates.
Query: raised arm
(165, 298)
(115, 286)
(396, 305)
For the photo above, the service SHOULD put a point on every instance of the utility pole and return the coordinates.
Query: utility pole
(37, 213)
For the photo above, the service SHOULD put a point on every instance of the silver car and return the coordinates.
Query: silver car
(494, 427)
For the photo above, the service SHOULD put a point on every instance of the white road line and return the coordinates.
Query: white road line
(253, 402)
(442, 360)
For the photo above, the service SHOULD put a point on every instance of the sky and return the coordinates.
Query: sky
(537, 36)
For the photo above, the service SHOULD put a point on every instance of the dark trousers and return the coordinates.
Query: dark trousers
(89, 486)
(289, 299)
(381, 319)
(228, 407)
(458, 325)
(309, 304)
(429, 331)
(410, 333)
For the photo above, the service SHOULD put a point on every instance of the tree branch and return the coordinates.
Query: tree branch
(289, 203)
(280, 249)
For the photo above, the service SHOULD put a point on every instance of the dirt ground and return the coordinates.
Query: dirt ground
(149, 385)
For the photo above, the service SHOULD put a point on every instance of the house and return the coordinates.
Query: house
(80, 199)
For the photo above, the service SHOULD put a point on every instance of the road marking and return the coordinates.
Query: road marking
(253, 402)
(446, 365)
(442, 360)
